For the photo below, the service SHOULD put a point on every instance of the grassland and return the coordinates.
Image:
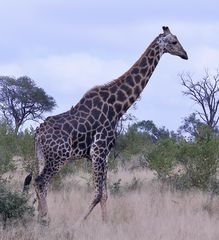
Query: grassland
(138, 208)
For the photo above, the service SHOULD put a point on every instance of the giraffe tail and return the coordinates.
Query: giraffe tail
(27, 182)
(35, 172)
(38, 152)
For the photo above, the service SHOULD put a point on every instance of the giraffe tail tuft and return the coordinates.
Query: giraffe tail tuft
(27, 182)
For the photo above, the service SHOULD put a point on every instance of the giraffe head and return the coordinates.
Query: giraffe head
(170, 44)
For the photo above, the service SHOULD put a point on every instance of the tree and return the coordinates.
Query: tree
(191, 125)
(124, 122)
(148, 128)
(22, 100)
(195, 128)
(205, 93)
(7, 148)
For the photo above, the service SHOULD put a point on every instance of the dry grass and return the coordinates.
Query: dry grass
(146, 213)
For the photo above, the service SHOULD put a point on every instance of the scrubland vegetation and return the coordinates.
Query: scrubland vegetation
(139, 209)
(162, 184)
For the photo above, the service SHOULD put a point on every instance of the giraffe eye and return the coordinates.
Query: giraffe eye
(174, 43)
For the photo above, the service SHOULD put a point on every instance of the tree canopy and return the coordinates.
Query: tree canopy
(22, 100)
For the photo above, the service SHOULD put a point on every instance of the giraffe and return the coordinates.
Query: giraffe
(88, 130)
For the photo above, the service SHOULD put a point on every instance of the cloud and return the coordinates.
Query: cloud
(206, 57)
(67, 77)
(69, 46)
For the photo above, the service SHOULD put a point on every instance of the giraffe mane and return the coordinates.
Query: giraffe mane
(107, 84)
(112, 82)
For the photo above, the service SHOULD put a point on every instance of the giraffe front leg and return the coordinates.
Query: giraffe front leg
(104, 196)
(99, 174)
(103, 203)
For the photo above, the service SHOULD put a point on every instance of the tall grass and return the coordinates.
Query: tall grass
(146, 212)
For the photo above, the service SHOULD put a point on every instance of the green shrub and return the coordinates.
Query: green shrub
(58, 180)
(200, 160)
(25, 146)
(13, 205)
(162, 158)
(179, 182)
(115, 187)
(135, 184)
(7, 148)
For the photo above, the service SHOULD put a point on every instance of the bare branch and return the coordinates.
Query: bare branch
(205, 93)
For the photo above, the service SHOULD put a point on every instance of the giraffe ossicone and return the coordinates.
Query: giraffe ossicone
(88, 130)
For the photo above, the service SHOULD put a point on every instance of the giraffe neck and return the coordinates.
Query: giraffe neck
(131, 84)
(115, 97)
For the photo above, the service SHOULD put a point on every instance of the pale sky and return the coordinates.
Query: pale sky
(67, 47)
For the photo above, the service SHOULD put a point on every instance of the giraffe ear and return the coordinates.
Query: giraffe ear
(166, 30)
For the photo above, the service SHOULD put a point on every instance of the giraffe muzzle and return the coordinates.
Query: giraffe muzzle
(184, 56)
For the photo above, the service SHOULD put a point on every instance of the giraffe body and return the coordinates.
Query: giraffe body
(89, 128)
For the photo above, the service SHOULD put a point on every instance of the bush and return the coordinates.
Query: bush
(58, 180)
(200, 159)
(25, 148)
(179, 182)
(11, 145)
(115, 187)
(162, 158)
(13, 205)
(132, 142)
(135, 184)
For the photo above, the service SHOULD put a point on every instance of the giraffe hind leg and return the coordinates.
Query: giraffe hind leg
(41, 185)
(41, 192)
